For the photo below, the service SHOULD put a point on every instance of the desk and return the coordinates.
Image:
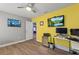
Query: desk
(74, 44)
(73, 39)
(62, 43)
(65, 42)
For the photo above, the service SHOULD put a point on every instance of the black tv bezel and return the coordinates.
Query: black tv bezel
(55, 17)
(62, 33)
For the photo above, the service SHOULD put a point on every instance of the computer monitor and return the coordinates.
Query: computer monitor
(74, 32)
(61, 30)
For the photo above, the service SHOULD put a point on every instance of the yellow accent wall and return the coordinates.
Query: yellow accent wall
(71, 14)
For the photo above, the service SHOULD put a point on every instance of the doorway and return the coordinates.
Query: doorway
(34, 30)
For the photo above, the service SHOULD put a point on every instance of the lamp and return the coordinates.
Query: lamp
(28, 8)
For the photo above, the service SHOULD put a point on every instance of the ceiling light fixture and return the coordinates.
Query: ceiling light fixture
(28, 8)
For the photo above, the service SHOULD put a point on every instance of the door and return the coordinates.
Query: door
(29, 30)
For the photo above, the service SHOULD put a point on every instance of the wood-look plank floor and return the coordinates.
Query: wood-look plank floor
(30, 47)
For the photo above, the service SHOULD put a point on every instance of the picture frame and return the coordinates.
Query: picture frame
(41, 23)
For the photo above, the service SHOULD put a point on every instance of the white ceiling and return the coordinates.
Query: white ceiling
(41, 8)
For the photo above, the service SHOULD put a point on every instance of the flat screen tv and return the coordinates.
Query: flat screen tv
(61, 30)
(74, 32)
(14, 23)
(56, 21)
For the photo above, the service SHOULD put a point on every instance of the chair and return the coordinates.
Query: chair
(45, 39)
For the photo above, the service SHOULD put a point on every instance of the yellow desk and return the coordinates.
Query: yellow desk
(63, 42)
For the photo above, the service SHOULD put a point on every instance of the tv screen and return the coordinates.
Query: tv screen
(74, 32)
(56, 21)
(14, 23)
(61, 30)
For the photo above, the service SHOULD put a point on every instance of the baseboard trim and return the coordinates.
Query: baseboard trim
(11, 43)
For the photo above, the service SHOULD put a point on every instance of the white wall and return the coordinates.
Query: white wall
(11, 34)
(29, 30)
